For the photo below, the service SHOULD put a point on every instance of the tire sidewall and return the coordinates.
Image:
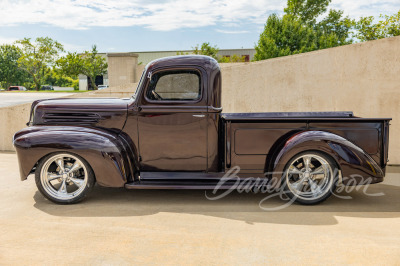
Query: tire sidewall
(294, 197)
(88, 187)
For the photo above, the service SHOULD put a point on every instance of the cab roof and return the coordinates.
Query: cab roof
(207, 62)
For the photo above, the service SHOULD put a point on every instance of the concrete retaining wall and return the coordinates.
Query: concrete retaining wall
(122, 91)
(13, 118)
(364, 78)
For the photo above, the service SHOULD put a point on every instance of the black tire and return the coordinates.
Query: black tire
(84, 191)
(325, 193)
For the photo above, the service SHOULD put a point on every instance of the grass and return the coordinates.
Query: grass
(40, 91)
(74, 91)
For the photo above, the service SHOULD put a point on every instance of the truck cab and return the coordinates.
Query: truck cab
(178, 103)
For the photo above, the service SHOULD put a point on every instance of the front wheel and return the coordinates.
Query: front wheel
(64, 178)
(310, 177)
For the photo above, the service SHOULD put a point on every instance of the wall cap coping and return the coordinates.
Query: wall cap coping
(122, 55)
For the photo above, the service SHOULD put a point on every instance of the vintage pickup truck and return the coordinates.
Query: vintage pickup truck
(172, 134)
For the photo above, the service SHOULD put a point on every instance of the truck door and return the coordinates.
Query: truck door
(173, 121)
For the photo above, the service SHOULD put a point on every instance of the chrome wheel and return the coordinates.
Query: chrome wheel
(64, 176)
(309, 177)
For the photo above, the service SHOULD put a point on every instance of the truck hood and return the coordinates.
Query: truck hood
(101, 112)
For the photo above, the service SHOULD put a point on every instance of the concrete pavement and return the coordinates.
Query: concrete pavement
(14, 98)
(116, 226)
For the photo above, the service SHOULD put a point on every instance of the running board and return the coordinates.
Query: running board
(191, 176)
(186, 180)
(180, 176)
(174, 184)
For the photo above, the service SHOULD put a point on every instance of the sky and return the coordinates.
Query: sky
(133, 25)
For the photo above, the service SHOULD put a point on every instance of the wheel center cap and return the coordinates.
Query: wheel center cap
(65, 176)
(307, 175)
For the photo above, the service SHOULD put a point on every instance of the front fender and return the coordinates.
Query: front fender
(105, 151)
(356, 165)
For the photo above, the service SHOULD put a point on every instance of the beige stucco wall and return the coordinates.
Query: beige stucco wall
(139, 71)
(12, 119)
(364, 78)
(121, 68)
(122, 91)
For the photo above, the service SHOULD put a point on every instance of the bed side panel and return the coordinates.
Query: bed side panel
(251, 142)
(366, 135)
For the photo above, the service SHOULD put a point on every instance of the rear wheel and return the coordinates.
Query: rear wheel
(310, 177)
(64, 178)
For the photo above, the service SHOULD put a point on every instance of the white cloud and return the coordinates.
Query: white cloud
(232, 31)
(162, 15)
(155, 15)
(73, 47)
(67, 46)
(361, 8)
(7, 40)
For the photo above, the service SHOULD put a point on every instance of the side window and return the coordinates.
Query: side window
(181, 85)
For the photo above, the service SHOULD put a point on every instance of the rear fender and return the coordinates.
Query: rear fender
(111, 156)
(356, 166)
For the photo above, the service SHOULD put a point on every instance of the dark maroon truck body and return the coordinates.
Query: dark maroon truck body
(148, 143)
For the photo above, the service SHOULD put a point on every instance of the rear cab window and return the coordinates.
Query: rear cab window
(176, 85)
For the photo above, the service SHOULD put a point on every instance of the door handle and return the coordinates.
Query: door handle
(198, 115)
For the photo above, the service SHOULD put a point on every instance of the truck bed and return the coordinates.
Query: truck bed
(242, 129)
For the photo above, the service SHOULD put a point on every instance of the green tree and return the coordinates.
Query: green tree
(182, 53)
(90, 63)
(56, 77)
(334, 30)
(206, 49)
(10, 73)
(306, 10)
(388, 26)
(38, 56)
(285, 36)
(298, 30)
(232, 59)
